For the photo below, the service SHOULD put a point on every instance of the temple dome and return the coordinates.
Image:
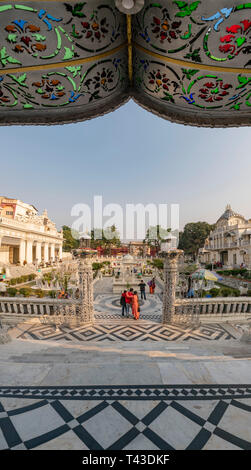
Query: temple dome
(128, 257)
(188, 62)
(229, 213)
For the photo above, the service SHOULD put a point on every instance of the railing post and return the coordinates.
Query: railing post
(171, 259)
(86, 290)
(4, 336)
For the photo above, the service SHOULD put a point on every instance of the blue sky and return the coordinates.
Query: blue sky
(128, 156)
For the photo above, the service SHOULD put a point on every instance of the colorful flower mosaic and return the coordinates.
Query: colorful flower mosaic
(179, 28)
(61, 33)
(65, 54)
(63, 88)
(204, 91)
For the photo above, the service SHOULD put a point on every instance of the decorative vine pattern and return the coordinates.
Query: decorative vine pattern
(31, 35)
(180, 28)
(192, 87)
(47, 33)
(73, 84)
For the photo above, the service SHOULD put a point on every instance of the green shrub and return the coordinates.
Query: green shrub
(40, 293)
(158, 263)
(97, 266)
(249, 293)
(204, 293)
(236, 293)
(225, 292)
(25, 291)
(11, 291)
(214, 292)
(22, 279)
(209, 267)
(53, 294)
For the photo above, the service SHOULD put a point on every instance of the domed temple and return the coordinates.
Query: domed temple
(186, 61)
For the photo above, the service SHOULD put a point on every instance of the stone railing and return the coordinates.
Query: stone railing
(15, 309)
(218, 308)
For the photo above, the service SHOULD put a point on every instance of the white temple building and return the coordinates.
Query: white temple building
(25, 236)
(230, 242)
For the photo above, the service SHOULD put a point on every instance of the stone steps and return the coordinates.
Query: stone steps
(18, 271)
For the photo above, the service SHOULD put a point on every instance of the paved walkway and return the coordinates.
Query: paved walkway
(125, 384)
(125, 395)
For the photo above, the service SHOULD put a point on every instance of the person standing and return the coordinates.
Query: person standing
(129, 297)
(123, 302)
(150, 286)
(142, 287)
(135, 305)
(153, 285)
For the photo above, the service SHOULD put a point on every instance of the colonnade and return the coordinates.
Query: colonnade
(31, 251)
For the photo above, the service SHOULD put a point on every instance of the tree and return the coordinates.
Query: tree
(70, 242)
(193, 237)
(156, 235)
(109, 238)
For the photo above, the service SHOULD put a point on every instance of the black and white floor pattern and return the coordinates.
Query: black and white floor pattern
(130, 330)
(107, 307)
(161, 417)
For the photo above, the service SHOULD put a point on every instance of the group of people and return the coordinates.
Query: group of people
(130, 303)
(129, 300)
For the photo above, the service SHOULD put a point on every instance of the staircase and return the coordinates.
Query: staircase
(18, 271)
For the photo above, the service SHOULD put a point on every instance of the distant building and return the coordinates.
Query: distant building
(85, 240)
(230, 242)
(139, 248)
(25, 236)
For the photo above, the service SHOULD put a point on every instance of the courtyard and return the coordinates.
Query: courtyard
(120, 384)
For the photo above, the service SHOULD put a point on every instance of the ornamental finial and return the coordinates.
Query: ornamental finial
(129, 7)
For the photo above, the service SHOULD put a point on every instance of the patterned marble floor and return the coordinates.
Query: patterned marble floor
(125, 330)
(156, 417)
(107, 307)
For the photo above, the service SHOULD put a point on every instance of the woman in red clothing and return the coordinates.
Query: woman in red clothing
(135, 305)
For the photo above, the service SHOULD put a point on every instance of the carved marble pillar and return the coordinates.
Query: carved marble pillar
(171, 264)
(46, 252)
(86, 290)
(29, 246)
(22, 253)
(39, 252)
(52, 252)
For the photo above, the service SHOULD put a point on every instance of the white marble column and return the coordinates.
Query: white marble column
(29, 245)
(46, 253)
(38, 252)
(171, 263)
(53, 252)
(60, 251)
(22, 252)
(86, 290)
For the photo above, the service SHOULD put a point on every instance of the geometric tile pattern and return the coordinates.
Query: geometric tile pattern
(126, 330)
(127, 417)
(130, 392)
(107, 307)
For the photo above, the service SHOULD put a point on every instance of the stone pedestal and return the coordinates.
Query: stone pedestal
(171, 263)
(86, 290)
